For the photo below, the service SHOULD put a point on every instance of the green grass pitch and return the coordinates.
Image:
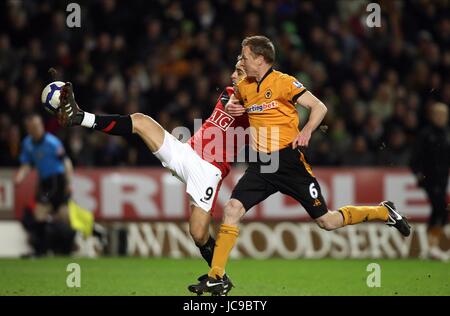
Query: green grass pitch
(136, 276)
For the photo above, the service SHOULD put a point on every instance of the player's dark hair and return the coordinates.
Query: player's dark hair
(261, 45)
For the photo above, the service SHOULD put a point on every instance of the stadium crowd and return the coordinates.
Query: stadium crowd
(171, 60)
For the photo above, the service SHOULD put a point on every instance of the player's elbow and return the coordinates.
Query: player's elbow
(323, 108)
(319, 108)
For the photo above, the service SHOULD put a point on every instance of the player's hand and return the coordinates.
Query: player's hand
(302, 139)
(17, 181)
(234, 106)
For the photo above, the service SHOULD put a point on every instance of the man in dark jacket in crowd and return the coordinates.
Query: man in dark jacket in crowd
(430, 163)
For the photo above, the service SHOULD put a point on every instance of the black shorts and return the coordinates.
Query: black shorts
(53, 190)
(293, 177)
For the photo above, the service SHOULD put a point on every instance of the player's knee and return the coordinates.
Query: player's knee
(40, 217)
(138, 121)
(326, 224)
(41, 213)
(233, 211)
(63, 215)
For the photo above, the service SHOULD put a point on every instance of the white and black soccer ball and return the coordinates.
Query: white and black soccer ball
(50, 96)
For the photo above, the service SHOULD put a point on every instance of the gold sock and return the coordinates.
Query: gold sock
(226, 239)
(358, 214)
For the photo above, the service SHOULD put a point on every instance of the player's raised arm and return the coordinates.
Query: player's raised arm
(318, 111)
(68, 172)
(26, 162)
(21, 174)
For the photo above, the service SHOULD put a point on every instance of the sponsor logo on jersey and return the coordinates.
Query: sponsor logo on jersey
(297, 84)
(221, 119)
(262, 107)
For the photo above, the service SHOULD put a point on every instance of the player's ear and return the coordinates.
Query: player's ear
(260, 59)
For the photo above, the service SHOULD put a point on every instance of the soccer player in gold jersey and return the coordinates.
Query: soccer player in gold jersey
(269, 97)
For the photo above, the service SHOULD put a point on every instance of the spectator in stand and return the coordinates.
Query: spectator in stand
(167, 58)
(430, 164)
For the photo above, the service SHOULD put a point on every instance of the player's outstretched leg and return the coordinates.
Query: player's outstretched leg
(396, 219)
(148, 129)
(352, 215)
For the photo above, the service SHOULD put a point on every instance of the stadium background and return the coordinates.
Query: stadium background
(171, 60)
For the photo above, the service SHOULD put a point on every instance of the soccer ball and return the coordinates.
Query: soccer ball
(50, 96)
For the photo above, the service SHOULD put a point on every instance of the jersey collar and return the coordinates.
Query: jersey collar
(40, 140)
(263, 77)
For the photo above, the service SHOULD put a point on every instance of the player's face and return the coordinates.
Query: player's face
(35, 127)
(250, 62)
(238, 73)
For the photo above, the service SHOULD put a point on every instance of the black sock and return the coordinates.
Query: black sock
(207, 250)
(39, 238)
(114, 124)
(62, 238)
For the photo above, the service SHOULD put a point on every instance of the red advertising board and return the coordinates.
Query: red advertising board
(153, 194)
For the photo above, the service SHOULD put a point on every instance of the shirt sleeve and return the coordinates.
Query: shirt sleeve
(58, 148)
(225, 96)
(292, 89)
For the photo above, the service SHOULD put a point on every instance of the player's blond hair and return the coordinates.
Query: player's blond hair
(261, 45)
